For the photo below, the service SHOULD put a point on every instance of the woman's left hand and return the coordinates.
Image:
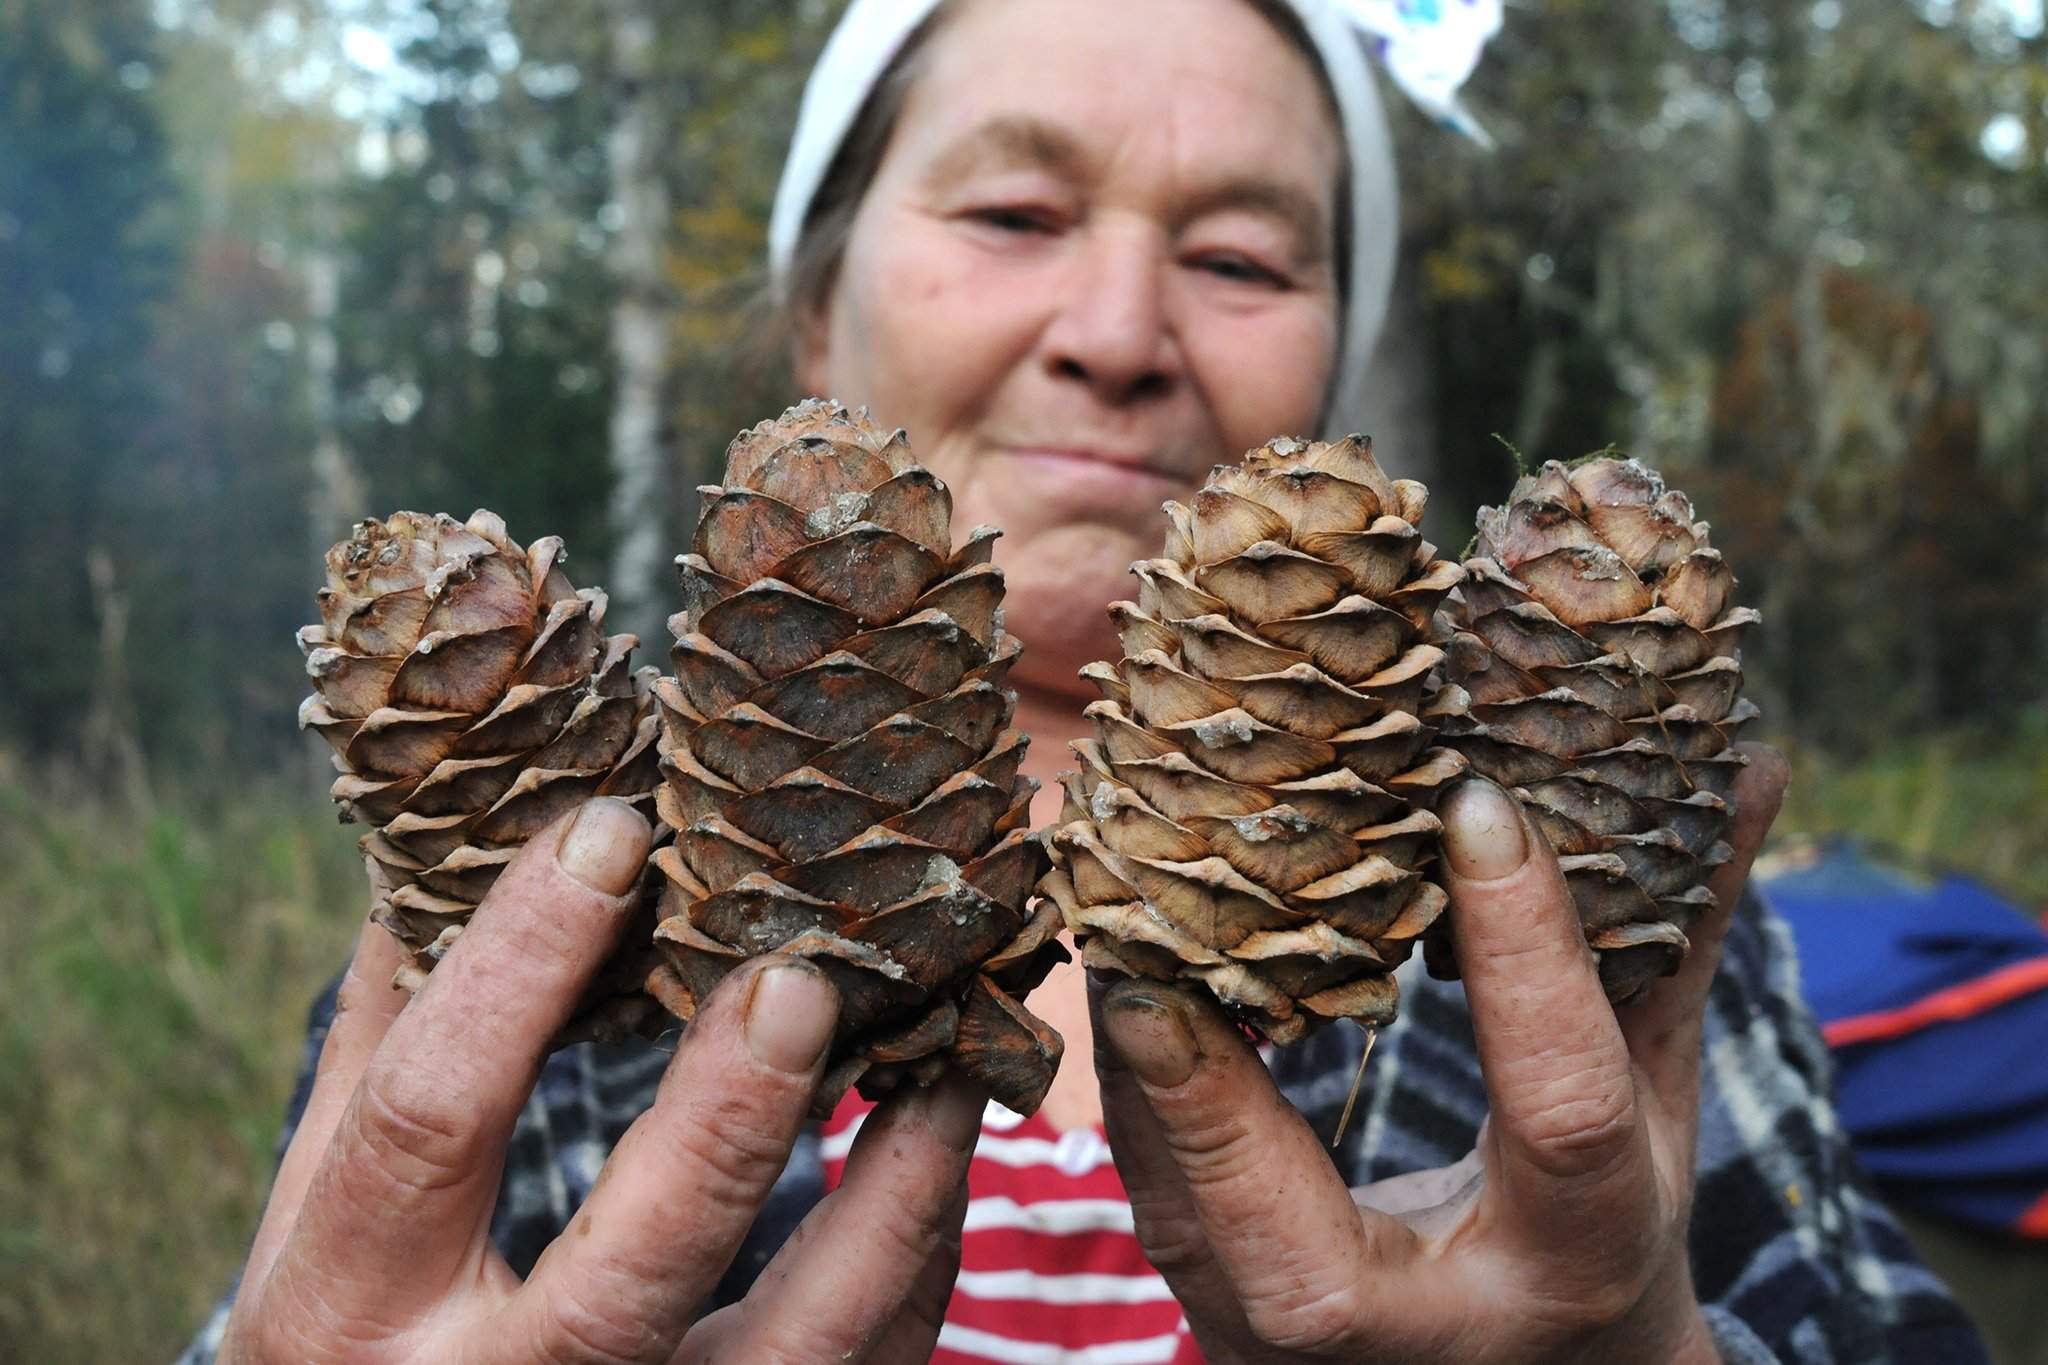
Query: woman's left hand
(1561, 1237)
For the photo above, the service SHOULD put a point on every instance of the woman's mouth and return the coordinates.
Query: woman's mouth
(1094, 464)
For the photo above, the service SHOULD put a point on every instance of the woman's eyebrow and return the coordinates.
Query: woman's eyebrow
(1009, 141)
(1018, 141)
(1302, 214)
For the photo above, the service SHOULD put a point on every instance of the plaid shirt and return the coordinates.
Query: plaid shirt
(1792, 1256)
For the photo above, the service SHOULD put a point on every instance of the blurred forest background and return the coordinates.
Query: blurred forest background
(270, 266)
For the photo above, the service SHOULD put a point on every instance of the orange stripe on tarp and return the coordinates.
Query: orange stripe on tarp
(1960, 1001)
(2034, 1222)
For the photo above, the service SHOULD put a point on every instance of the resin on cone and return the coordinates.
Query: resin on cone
(841, 775)
(1254, 811)
(471, 697)
(1597, 674)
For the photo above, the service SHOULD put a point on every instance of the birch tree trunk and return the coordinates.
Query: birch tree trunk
(640, 436)
(336, 496)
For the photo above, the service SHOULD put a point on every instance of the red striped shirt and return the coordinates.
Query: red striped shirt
(1050, 1272)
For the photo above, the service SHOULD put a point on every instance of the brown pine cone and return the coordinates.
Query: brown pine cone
(1597, 673)
(1254, 811)
(841, 776)
(471, 698)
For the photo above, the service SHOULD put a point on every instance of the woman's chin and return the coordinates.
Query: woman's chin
(1061, 582)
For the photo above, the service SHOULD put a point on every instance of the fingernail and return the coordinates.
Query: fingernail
(605, 846)
(790, 1016)
(1483, 833)
(955, 1116)
(1153, 1038)
(1099, 981)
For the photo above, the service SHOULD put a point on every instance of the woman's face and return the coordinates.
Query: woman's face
(1096, 260)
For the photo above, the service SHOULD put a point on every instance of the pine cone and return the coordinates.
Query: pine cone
(840, 774)
(1253, 812)
(471, 698)
(1596, 674)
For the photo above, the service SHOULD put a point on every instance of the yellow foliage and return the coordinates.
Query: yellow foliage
(713, 242)
(1475, 263)
(760, 46)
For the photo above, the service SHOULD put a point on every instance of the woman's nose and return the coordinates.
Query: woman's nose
(1112, 331)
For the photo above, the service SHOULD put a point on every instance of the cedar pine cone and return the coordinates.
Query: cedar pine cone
(471, 698)
(840, 773)
(1597, 673)
(1253, 812)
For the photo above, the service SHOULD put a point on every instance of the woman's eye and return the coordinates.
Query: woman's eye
(1009, 218)
(1240, 269)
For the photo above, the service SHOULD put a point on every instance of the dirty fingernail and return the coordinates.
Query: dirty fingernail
(790, 1016)
(605, 846)
(1152, 1037)
(1483, 833)
(1099, 981)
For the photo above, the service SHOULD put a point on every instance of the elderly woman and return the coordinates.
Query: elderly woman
(1084, 251)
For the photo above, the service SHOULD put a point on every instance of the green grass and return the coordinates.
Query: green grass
(1971, 802)
(155, 972)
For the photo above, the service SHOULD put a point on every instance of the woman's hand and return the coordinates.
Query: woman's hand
(375, 1245)
(1561, 1237)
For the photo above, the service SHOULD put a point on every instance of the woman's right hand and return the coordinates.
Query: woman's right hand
(375, 1245)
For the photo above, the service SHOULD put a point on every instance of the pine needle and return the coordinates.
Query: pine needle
(1521, 460)
(1357, 1082)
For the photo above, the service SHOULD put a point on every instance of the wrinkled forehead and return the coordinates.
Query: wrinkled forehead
(1202, 91)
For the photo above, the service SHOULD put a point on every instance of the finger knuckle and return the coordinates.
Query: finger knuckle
(1583, 1134)
(1577, 1305)
(1214, 1149)
(925, 1309)
(1310, 1320)
(1605, 1287)
(584, 1332)
(1174, 1243)
(910, 1235)
(1610, 1302)
(1594, 1287)
(412, 1135)
(288, 1328)
(549, 948)
(737, 1151)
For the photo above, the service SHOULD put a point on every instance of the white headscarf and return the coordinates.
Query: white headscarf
(873, 31)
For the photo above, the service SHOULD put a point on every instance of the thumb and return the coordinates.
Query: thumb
(1280, 1231)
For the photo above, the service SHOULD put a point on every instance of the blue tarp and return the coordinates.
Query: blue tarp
(1945, 1096)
